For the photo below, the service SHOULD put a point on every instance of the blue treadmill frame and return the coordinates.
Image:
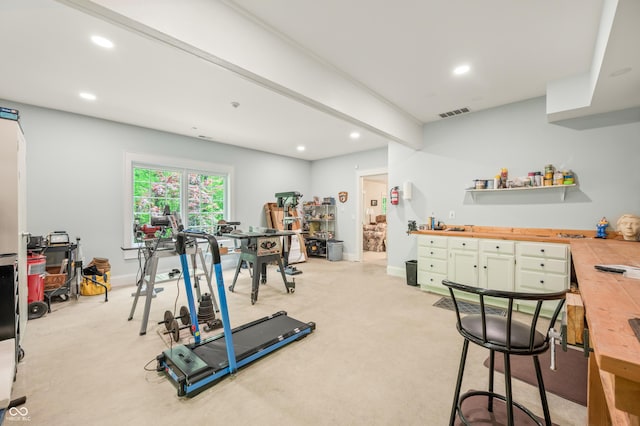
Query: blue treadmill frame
(207, 375)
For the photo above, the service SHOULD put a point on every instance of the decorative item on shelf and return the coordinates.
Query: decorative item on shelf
(538, 179)
(329, 201)
(602, 228)
(504, 176)
(558, 178)
(568, 177)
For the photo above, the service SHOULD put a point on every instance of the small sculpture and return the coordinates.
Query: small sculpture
(602, 228)
(629, 227)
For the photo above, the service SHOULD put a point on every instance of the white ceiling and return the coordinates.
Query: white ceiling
(397, 54)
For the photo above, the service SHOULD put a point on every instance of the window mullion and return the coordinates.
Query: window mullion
(184, 198)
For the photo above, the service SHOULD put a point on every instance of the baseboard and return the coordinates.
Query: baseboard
(396, 271)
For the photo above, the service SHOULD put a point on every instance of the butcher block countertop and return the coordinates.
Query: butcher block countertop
(610, 300)
(547, 235)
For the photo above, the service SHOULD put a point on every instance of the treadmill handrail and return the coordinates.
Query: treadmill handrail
(181, 243)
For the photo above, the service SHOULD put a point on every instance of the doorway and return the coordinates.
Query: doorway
(373, 225)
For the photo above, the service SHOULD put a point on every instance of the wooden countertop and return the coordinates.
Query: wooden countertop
(610, 300)
(548, 235)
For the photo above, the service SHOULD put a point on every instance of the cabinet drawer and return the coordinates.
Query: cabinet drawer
(498, 246)
(539, 282)
(543, 265)
(432, 241)
(550, 251)
(432, 265)
(432, 252)
(431, 281)
(463, 243)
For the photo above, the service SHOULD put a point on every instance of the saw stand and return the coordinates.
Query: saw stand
(153, 251)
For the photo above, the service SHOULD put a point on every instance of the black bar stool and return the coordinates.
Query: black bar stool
(505, 335)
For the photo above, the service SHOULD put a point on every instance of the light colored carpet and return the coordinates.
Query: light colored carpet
(381, 355)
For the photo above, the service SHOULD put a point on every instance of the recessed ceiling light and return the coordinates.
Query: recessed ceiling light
(102, 42)
(461, 69)
(300, 148)
(354, 135)
(88, 96)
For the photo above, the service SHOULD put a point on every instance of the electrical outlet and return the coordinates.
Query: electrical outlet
(452, 214)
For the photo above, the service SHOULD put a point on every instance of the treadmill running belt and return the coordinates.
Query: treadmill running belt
(248, 341)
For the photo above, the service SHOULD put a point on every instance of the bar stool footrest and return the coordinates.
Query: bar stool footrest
(488, 394)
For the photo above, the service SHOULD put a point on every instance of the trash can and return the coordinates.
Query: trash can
(412, 272)
(334, 250)
(36, 269)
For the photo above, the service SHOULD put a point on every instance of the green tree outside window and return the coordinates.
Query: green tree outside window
(203, 195)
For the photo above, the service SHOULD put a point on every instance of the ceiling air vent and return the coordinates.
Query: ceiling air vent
(453, 113)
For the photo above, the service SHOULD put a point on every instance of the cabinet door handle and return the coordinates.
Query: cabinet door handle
(431, 253)
(475, 266)
(541, 281)
(464, 244)
(542, 265)
(541, 250)
(485, 267)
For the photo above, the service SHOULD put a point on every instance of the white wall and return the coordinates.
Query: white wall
(332, 175)
(75, 167)
(518, 137)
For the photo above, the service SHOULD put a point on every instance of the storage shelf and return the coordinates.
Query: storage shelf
(562, 189)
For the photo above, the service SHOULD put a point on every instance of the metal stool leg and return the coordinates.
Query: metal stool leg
(543, 394)
(508, 390)
(492, 356)
(456, 395)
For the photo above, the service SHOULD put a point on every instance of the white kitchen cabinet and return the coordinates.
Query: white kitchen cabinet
(463, 261)
(497, 264)
(497, 267)
(507, 265)
(432, 263)
(542, 267)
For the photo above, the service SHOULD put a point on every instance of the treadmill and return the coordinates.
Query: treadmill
(194, 366)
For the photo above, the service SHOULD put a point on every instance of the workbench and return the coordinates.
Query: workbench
(258, 249)
(610, 300)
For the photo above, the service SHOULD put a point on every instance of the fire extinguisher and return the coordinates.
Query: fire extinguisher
(394, 195)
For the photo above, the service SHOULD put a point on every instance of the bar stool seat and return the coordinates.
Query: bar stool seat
(507, 336)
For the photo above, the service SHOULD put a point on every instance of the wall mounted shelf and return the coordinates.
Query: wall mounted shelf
(561, 189)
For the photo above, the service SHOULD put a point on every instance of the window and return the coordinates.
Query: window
(198, 193)
(206, 200)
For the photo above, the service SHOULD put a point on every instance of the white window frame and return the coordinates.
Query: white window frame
(132, 160)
